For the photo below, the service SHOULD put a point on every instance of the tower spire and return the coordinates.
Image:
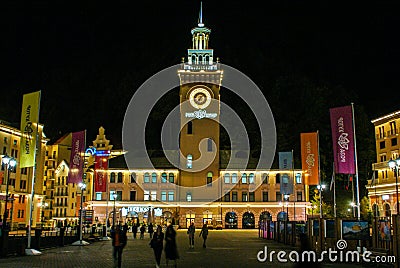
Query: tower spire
(201, 24)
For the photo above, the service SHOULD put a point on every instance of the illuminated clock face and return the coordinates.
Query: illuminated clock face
(200, 98)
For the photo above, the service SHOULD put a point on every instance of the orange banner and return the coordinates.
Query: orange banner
(309, 157)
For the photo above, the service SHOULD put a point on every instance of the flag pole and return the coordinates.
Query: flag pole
(334, 190)
(356, 165)
(294, 191)
(29, 250)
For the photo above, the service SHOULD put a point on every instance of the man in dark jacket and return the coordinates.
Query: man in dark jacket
(119, 240)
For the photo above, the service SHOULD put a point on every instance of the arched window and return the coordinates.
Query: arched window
(200, 59)
(207, 59)
(133, 177)
(209, 178)
(193, 59)
(119, 177)
(112, 177)
(234, 178)
(164, 177)
(146, 177)
(244, 178)
(190, 127)
(227, 178)
(251, 178)
(171, 178)
(153, 177)
(189, 160)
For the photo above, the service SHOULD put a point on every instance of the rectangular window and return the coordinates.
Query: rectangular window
(163, 196)
(227, 197)
(278, 196)
(245, 197)
(112, 195)
(394, 141)
(72, 206)
(299, 196)
(265, 196)
(298, 178)
(5, 139)
(153, 195)
(382, 145)
(22, 213)
(171, 196)
(15, 142)
(252, 197)
(98, 196)
(146, 195)
(132, 196)
(188, 197)
(234, 196)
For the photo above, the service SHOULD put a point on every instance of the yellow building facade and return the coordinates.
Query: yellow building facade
(382, 187)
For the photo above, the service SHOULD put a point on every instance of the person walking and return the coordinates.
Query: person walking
(204, 232)
(171, 251)
(134, 230)
(150, 230)
(191, 230)
(119, 239)
(157, 244)
(142, 230)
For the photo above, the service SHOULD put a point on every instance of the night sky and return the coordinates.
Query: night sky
(89, 57)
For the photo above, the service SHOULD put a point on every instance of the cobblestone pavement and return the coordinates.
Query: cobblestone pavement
(225, 248)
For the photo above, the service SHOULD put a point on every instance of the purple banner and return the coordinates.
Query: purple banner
(77, 155)
(343, 139)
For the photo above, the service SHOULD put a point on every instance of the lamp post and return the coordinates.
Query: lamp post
(320, 188)
(43, 206)
(395, 164)
(114, 197)
(9, 163)
(80, 242)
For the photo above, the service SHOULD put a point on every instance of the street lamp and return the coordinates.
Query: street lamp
(43, 206)
(320, 188)
(9, 163)
(114, 197)
(80, 242)
(395, 164)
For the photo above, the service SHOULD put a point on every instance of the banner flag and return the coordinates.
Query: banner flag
(101, 167)
(343, 139)
(285, 160)
(29, 126)
(309, 157)
(77, 157)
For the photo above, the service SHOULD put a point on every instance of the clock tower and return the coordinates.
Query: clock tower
(200, 80)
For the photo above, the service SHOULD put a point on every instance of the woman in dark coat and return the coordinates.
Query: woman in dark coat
(157, 244)
(171, 251)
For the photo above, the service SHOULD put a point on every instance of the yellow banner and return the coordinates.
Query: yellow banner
(29, 126)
